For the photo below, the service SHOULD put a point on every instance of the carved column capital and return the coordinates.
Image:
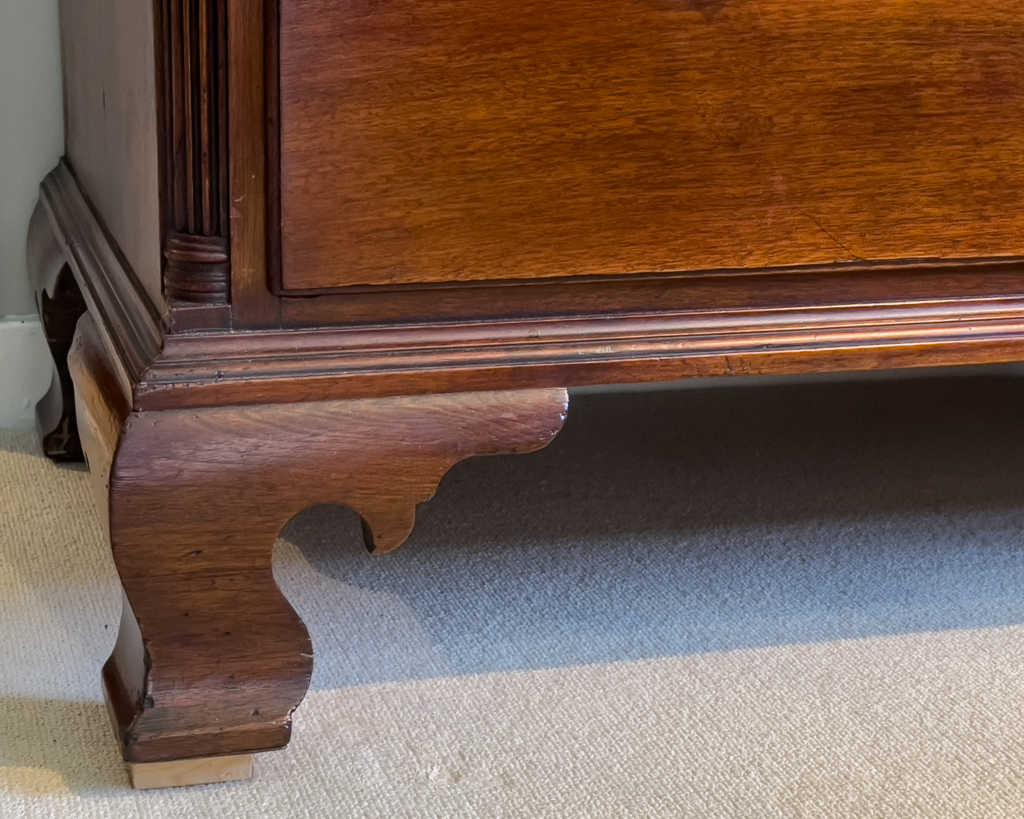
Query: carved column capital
(198, 268)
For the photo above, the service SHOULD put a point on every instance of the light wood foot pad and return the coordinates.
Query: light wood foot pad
(208, 770)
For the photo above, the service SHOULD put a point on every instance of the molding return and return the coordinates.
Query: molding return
(127, 320)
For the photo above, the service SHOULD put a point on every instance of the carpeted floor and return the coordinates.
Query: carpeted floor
(771, 601)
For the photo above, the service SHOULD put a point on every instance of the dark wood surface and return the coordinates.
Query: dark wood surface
(781, 288)
(337, 363)
(477, 206)
(111, 127)
(211, 659)
(192, 72)
(426, 141)
(858, 317)
(60, 304)
(252, 303)
(129, 322)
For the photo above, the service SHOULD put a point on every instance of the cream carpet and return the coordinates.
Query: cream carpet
(781, 601)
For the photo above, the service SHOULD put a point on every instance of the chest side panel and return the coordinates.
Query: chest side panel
(110, 111)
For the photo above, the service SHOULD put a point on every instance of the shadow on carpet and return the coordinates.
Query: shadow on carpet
(684, 522)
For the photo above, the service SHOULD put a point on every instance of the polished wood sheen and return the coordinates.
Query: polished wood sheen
(859, 316)
(319, 251)
(432, 140)
(252, 303)
(111, 123)
(211, 659)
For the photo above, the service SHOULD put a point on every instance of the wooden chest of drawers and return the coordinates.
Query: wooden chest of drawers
(321, 250)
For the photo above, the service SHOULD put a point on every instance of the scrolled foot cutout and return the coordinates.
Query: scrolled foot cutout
(212, 660)
(399, 449)
(60, 305)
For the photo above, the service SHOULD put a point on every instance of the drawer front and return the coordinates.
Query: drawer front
(474, 140)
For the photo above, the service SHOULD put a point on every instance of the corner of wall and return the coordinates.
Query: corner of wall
(25, 370)
(31, 133)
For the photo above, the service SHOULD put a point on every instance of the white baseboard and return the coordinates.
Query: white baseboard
(25, 370)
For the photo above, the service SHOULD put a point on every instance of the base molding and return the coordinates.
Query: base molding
(827, 318)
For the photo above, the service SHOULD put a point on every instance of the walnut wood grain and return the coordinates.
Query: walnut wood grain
(194, 118)
(465, 208)
(862, 283)
(211, 659)
(194, 62)
(437, 141)
(252, 303)
(112, 133)
(125, 315)
(855, 316)
(317, 364)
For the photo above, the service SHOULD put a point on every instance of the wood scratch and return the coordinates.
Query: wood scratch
(757, 8)
(831, 236)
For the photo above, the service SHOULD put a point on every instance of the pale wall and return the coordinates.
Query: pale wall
(31, 142)
(31, 132)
